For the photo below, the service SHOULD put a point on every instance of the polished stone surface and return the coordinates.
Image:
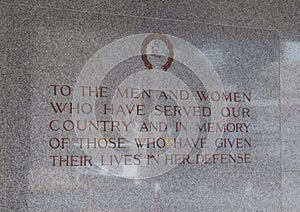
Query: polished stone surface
(290, 98)
(290, 102)
(4, 22)
(18, 95)
(245, 13)
(291, 185)
(289, 17)
(48, 46)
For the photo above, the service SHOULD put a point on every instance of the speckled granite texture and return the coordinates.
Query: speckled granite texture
(253, 46)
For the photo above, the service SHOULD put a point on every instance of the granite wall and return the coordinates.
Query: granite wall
(254, 46)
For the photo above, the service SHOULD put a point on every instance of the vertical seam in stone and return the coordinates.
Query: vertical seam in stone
(5, 112)
(280, 102)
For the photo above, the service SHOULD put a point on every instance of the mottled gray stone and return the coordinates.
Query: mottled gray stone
(291, 191)
(4, 23)
(17, 118)
(245, 13)
(289, 16)
(51, 46)
(290, 98)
